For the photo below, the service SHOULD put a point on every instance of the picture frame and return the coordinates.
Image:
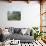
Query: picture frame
(14, 15)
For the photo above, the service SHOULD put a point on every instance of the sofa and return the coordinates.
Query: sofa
(16, 34)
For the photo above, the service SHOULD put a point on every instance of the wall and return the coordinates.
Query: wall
(30, 14)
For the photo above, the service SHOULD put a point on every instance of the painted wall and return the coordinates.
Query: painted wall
(30, 14)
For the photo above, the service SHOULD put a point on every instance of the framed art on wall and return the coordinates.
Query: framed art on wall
(14, 15)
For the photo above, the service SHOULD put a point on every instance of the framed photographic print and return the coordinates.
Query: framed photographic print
(14, 15)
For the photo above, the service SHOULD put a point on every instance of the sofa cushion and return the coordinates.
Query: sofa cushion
(23, 31)
(11, 30)
(17, 30)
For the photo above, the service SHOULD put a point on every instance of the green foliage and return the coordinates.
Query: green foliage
(37, 34)
(35, 28)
